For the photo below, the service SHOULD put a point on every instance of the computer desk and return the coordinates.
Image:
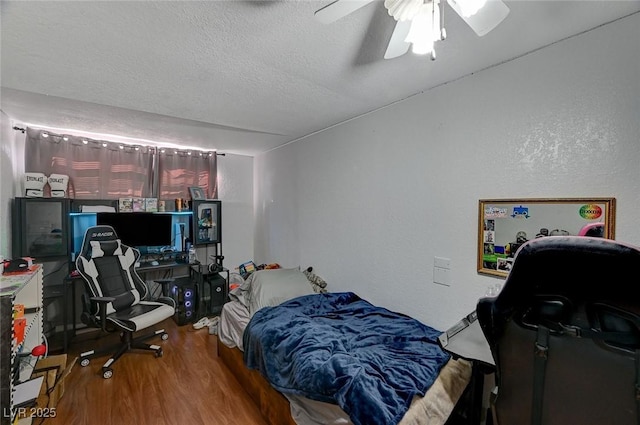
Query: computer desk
(466, 340)
(146, 267)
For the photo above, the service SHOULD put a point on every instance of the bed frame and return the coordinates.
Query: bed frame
(273, 406)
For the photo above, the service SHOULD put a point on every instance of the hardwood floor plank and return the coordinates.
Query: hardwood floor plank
(187, 385)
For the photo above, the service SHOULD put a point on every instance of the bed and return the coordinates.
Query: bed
(264, 309)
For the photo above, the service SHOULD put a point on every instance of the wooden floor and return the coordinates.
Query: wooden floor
(187, 385)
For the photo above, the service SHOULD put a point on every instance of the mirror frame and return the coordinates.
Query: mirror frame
(516, 209)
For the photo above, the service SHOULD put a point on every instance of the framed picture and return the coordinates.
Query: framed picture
(206, 224)
(506, 224)
(197, 193)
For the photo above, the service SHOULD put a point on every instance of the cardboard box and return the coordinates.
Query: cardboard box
(55, 371)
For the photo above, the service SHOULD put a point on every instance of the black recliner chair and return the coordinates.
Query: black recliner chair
(117, 299)
(565, 334)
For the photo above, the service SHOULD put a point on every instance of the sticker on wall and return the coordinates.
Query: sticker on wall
(590, 211)
(495, 212)
(520, 212)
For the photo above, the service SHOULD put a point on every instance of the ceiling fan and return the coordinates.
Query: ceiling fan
(420, 23)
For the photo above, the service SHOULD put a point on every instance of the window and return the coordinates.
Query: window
(108, 170)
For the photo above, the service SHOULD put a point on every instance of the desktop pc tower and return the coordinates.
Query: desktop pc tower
(197, 296)
(184, 293)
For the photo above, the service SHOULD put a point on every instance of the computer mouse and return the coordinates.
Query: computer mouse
(155, 263)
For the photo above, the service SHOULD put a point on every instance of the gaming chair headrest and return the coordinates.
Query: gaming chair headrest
(96, 233)
(587, 267)
(554, 277)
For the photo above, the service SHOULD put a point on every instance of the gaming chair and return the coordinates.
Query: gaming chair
(118, 299)
(565, 334)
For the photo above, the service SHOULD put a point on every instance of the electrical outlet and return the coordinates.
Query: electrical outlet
(443, 263)
(442, 276)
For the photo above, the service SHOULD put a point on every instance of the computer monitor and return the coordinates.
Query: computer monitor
(139, 229)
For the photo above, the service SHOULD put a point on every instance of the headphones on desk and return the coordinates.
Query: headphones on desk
(17, 265)
(214, 268)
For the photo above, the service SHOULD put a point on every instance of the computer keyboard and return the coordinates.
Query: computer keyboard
(158, 263)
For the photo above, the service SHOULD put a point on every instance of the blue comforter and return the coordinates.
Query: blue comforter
(339, 348)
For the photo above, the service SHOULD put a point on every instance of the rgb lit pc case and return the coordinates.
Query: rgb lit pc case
(207, 222)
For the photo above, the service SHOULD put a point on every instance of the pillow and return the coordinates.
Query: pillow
(272, 287)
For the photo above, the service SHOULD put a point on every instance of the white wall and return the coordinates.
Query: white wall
(235, 189)
(8, 142)
(5, 175)
(370, 203)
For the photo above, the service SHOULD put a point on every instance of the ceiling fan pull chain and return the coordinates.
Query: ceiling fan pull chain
(434, 4)
(443, 31)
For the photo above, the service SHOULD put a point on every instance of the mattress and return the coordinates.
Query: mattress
(432, 409)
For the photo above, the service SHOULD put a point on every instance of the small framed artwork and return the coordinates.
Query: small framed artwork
(504, 264)
(197, 193)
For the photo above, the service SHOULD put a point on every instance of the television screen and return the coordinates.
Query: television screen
(139, 229)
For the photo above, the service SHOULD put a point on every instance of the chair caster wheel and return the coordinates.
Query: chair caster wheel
(107, 373)
(84, 362)
(159, 353)
(164, 336)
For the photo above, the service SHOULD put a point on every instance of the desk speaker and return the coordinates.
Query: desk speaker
(213, 295)
(219, 294)
(185, 296)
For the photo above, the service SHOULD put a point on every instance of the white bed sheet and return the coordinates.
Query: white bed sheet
(432, 409)
(234, 318)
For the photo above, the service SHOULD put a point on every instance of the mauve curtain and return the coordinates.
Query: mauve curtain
(96, 170)
(109, 170)
(177, 171)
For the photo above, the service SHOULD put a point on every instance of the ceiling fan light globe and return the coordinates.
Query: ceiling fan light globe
(422, 48)
(403, 10)
(425, 29)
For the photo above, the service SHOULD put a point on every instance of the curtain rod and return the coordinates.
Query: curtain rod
(22, 130)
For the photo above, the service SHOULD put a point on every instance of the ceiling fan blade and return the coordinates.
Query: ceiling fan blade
(397, 46)
(486, 19)
(339, 8)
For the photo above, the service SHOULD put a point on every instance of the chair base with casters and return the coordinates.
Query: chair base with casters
(117, 299)
(127, 343)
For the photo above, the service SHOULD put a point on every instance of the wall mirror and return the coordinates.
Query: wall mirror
(505, 224)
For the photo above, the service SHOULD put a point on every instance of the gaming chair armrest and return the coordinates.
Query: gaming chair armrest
(484, 310)
(168, 301)
(102, 301)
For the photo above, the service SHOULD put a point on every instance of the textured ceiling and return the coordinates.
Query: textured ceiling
(240, 76)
